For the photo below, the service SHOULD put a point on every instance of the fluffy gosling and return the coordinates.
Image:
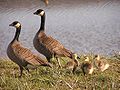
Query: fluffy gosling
(87, 66)
(100, 64)
(73, 63)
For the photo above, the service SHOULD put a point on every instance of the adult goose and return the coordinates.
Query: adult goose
(21, 55)
(47, 45)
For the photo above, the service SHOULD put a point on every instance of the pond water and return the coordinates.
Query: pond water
(83, 26)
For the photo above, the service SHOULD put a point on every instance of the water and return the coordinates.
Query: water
(82, 26)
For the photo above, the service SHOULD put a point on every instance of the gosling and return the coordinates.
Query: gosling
(73, 63)
(100, 64)
(87, 66)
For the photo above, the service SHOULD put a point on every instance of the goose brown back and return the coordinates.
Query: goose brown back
(54, 46)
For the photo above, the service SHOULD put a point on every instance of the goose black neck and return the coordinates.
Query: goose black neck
(16, 37)
(42, 26)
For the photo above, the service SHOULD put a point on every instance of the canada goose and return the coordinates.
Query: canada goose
(21, 55)
(87, 66)
(73, 64)
(100, 64)
(47, 45)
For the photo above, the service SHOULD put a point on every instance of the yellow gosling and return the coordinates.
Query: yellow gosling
(73, 63)
(87, 66)
(101, 64)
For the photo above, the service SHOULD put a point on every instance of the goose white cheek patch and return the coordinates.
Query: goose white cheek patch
(42, 13)
(17, 25)
(87, 59)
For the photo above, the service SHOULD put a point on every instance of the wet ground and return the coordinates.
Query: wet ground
(82, 26)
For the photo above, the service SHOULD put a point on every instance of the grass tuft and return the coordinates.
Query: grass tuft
(44, 78)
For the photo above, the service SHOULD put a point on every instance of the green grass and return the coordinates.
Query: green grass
(45, 78)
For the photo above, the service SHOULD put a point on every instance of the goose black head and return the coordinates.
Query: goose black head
(15, 24)
(39, 12)
(87, 58)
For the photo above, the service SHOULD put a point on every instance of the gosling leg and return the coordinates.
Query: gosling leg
(58, 60)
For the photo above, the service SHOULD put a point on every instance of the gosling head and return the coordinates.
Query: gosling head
(75, 56)
(97, 57)
(39, 12)
(15, 24)
(87, 58)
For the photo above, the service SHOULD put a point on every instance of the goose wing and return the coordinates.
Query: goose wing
(54, 46)
(27, 56)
